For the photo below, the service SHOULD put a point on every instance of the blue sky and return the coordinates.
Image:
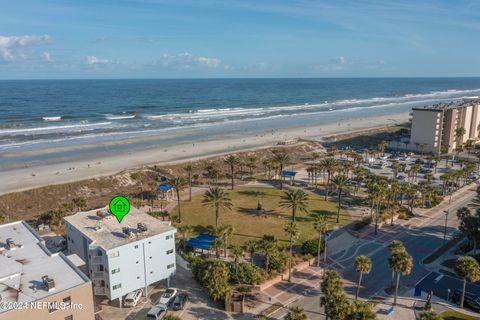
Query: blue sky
(244, 38)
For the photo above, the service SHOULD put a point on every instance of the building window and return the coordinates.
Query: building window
(149, 242)
(136, 246)
(170, 266)
(137, 262)
(151, 272)
(150, 257)
(138, 277)
(70, 317)
(115, 254)
(51, 308)
(170, 251)
(67, 301)
(170, 236)
(117, 286)
(117, 270)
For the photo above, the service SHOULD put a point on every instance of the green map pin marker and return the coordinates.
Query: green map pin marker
(119, 207)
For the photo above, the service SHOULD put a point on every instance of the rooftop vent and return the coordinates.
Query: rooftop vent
(49, 283)
(98, 226)
(142, 227)
(128, 232)
(103, 214)
(11, 245)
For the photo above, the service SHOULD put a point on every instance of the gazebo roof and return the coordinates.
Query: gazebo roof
(203, 241)
(286, 173)
(164, 187)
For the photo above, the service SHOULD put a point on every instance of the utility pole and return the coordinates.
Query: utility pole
(446, 222)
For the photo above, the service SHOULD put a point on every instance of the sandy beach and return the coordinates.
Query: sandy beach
(62, 172)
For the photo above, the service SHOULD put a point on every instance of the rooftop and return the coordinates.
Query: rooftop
(26, 261)
(467, 101)
(103, 229)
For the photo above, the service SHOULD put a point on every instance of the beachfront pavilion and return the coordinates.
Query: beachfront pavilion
(203, 242)
(289, 174)
(166, 192)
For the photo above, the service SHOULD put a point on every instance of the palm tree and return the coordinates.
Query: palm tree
(178, 184)
(292, 231)
(217, 245)
(363, 264)
(402, 263)
(320, 224)
(237, 253)
(251, 165)
(225, 232)
(382, 146)
(268, 245)
(283, 160)
(296, 313)
(329, 164)
(218, 199)
(297, 200)
(459, 133)
(189, 170)
(184, 230)
(394, 246)
(251, 246)
(232, 160)
(468, 269)
(340, 183)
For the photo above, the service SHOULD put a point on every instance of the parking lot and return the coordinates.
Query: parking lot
(198, 307)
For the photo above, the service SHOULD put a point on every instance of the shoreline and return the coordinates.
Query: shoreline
(70, 171)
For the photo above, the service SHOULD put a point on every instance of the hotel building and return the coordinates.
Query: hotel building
(434, 126)
(122, 257)
(36, 284)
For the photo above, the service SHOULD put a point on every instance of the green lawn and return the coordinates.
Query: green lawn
(249, 224)
(454, 315)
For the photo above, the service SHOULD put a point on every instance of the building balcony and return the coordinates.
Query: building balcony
(97, 260)
(99, 275)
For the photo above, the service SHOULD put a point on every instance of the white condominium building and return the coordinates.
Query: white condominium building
(122, 257)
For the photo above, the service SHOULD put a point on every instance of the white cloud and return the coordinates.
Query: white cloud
(188, 61)
(94, 60)
(47, 56)
(13, 47)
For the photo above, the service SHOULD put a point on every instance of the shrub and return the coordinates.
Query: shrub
(311, 247)
(244, 273)
(278, 261)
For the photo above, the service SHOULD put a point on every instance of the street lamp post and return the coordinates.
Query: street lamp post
(447, 212)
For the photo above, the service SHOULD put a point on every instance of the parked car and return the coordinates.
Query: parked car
(157, 312)
(471, 300)
(180, 301)
(419, 161)
(425, 170)
(167, 297)
(132, 298)
(400, 177)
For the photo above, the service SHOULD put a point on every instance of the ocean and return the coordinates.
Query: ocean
(35, 115)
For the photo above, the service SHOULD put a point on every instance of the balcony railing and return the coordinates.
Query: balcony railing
(97, 260)
(99, 275)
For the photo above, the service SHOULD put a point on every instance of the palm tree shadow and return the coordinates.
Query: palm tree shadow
(252, 193)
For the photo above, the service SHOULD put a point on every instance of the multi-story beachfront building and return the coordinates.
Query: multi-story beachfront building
(122, 257)
(436, 125)
(36, 284)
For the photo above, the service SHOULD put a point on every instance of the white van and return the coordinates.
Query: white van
(132, 298)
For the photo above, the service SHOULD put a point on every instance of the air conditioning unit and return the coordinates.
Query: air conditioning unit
(49, 283)
(11, 245)
(142, 227)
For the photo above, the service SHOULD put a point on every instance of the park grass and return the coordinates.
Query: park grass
(455, 315)
(249, 224)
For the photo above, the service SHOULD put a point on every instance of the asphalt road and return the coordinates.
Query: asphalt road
(420, 237)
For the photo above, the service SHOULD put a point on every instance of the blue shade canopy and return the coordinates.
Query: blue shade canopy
(203, 241)
(164, 187)
(286, 173)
